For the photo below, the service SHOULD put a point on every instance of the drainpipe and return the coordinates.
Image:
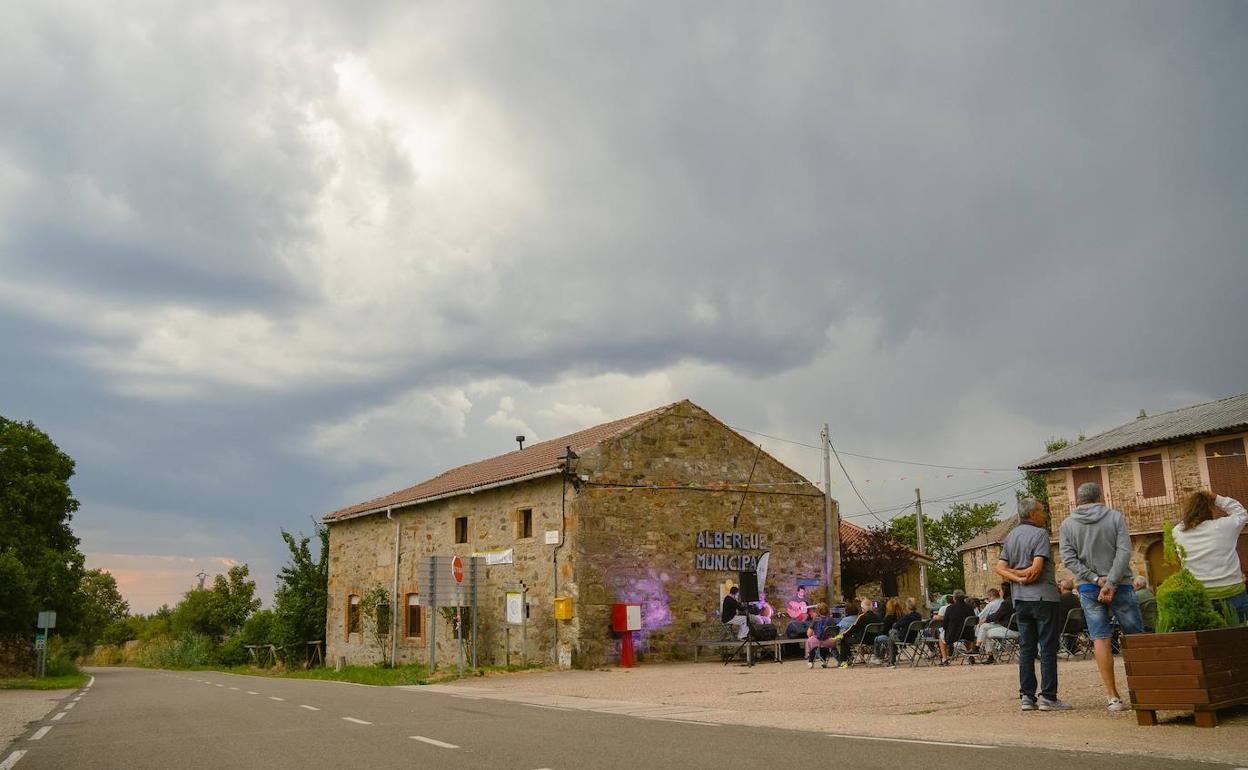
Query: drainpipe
(394, 601)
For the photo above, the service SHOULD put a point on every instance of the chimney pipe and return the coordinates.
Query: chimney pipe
(520, 441)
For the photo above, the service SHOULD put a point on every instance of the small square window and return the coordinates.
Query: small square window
(524, 523)
(461, 529)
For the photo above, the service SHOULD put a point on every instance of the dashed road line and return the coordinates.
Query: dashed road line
(682, 721)
(90, 682)
(220, 685)
(544, 706)
(357, 721)
(433, 742)
(233, 688)
(912, 740)
(42, 731)
(11, 760)
(69, 706)
(274, 697)
(252, 692)
(78, 698)
(309, 708)
(58, 717)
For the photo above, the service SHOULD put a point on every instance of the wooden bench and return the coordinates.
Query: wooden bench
(776, 646)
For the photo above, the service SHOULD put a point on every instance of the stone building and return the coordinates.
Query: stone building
(1147, 467)
(652, 509)
(980, 554)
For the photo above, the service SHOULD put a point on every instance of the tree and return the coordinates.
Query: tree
(960, 522)
(102, 605)
(299, 604)
(1034, 483)
(219, 611)
(876, 554)
(40, 564)
(375, 614)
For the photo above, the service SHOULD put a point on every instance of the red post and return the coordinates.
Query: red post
(627, 658)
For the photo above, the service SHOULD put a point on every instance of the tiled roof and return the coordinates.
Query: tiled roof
(542, 458)
(853, 537)
(991, 537)
(1221, 416)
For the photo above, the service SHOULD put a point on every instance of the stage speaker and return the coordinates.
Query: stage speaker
(889, 584)
(748, 583)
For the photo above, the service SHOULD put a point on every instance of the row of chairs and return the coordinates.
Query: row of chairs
(919, 645)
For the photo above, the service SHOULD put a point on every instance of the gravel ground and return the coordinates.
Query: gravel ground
(18, 708)
(959, 703)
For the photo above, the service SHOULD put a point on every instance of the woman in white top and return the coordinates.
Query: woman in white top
(1208, 536)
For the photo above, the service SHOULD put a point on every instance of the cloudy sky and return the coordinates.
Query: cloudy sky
(261, 260)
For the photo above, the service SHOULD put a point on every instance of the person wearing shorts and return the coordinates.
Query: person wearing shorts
(1096, 546)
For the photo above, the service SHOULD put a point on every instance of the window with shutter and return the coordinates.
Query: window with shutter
(1081, 476)
(1152, 476)
(1228, 468)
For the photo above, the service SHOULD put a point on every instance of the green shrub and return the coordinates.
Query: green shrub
(188, 650)
(1183, 605)
(232, 652)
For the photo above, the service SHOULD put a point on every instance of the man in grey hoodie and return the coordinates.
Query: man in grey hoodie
(1096, 546)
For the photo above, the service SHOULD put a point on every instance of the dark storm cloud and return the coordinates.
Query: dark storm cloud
(243, 289)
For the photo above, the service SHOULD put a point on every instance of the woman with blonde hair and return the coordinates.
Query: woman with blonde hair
(892, 612)
(1208, 536)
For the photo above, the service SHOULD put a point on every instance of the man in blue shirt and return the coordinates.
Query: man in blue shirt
(1027, 562)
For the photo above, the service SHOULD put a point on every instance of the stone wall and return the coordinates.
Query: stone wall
(362, 554)
(978, 567)
(640, 544)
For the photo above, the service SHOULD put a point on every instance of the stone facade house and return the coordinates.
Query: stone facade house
(651, 509)
(1147, 467)
(980, 555)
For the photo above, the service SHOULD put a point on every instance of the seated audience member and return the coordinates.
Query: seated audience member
(883, 642)
(952, 627)
(819, 638)
(901, 632)
(853, 635)
(993, 603)
(996, 626)
(940, 611)
(1067, 600)
(797, 628)
(1148, 603)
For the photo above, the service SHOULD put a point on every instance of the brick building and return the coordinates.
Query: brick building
(1147, 467)
(651, 509)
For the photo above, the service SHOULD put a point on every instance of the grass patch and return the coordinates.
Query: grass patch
(64, 682)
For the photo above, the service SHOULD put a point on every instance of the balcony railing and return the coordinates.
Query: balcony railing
(1143, 514)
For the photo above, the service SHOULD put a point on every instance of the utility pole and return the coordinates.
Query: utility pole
(831, 527)
(918, 528)
(201, 576)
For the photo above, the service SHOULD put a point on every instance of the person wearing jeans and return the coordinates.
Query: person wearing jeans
(1026, 561)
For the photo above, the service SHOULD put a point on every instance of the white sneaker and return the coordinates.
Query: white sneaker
(810, 664)
(876, 661)
(1116, 704)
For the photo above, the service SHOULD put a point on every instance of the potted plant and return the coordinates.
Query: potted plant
(1190, 664)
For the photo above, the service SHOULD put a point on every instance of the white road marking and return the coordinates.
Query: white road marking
(233, 688)
(357, 721)
(274, 697)
(69, 706)
(309, 708)
(252, 692)
(59, 716)
(682, 721)
(912, 740)
(544, 706)
(42, 731)
(432, 742)
(77, 699)
(220, 685)
(11, 760)
(90, 682)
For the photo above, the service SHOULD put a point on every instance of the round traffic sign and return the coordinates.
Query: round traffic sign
(457, 569)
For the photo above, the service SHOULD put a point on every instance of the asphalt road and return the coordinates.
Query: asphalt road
(133, 719)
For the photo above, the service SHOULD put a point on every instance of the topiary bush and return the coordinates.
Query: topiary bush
(1182, 605)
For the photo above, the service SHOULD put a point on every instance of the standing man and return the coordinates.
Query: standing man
(1096, 547)
(1027, 562)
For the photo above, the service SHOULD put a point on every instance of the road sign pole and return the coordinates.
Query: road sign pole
(459, 629)
(473, 589)
(433, 615)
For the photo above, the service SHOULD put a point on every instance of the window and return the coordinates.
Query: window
(524, 523)
(414, 628)
(1152, 476)
(353, 614)
(1089, 475)
(461, 529)
(383, 620)
(1228, 468)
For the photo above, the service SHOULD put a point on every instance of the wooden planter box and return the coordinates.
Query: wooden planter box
(1199, 671)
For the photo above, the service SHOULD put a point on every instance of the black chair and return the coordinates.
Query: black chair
(909, 643)
(862, 647)
(1007, 646)
(958, 647)
(926, 644)
(1073, 638)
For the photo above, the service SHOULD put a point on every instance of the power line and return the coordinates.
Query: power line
(850, 479)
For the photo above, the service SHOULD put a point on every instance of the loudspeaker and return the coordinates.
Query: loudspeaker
(763, 633)
(748, 583)
(889, 584)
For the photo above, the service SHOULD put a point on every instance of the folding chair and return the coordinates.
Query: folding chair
(1007, 646)
(1076, 630)
(958, 649)
(926, 646)
(908, 645)
(862, 648)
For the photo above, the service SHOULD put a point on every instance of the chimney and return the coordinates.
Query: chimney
(1143, 415)
(520, 441)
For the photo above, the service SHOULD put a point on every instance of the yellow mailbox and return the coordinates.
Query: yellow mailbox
(563, 608)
